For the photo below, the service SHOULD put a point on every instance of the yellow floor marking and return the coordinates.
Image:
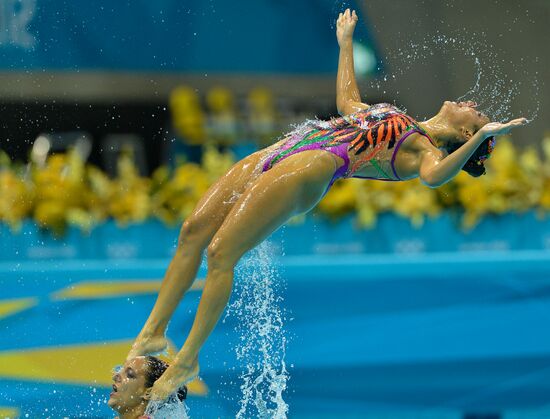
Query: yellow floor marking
(87, 290)
(89, 364)
(10, 307)
(9, 412)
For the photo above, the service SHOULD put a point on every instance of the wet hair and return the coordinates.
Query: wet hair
(475, 166)
(155, 368)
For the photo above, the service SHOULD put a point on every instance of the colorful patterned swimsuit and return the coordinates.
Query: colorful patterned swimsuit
(364, 133)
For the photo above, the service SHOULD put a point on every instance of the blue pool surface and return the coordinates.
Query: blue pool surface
(420, 336)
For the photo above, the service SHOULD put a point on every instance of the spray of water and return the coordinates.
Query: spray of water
(171, 408)
(262, 339)
(497, 80)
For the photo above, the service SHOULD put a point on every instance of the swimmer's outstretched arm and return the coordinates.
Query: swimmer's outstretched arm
(436, 171)
(348, 99)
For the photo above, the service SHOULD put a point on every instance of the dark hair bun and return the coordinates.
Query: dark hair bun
(475, 166)
(155, 368)
(474, 169)
(182, 393)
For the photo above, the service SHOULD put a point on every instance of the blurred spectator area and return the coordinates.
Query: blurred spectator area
(188, 119)
(24, 123)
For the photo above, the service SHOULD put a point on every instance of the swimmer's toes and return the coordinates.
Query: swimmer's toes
(194, 372)
(150, 346)
(186, 373)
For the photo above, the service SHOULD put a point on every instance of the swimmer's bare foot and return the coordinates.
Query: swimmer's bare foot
(176, 375)
(148, 345)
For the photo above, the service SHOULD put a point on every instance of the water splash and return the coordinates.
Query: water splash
(476, 86)
(262, 339)
(171, 408)
(497, 80)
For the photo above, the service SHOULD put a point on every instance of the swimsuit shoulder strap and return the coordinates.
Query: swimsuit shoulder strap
(425, 134)
(415, 129)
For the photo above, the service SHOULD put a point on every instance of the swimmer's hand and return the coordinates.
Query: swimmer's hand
(345, 26)
(496, 128)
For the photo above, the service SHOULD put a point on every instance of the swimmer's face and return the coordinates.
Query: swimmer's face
(129, 389)
(463, 117)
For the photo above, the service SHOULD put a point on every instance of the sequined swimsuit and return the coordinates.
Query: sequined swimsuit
(364, 133)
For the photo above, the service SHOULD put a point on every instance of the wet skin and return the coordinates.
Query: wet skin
(245, 206)
(238, 212)
(130, 396)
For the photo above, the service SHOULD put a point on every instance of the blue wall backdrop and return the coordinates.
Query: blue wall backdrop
(170, 35)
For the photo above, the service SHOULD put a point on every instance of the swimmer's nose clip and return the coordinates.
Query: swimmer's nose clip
(116, 369)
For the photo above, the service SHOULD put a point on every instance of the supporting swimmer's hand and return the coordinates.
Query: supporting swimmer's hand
(345, 26)
(496, 128)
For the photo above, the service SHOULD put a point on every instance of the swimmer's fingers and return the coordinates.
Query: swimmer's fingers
(345, 25)
(514, 123)
(347, 17)
(496, 128)
(519, 121)
(350, 17)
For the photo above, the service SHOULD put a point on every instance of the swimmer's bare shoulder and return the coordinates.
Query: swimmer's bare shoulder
(418, 143)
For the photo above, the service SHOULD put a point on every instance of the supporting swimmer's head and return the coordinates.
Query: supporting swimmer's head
(132, 383)
(129, 387)
(457, 123)
(156, 368)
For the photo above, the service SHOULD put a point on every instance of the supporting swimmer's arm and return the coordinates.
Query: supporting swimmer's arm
(435, 171)
(348, 99)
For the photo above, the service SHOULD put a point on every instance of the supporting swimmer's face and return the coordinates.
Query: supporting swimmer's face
(463, 118)
(129, 390)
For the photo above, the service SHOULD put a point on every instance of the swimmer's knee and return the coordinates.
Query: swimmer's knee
(193, 233)
(220, 255)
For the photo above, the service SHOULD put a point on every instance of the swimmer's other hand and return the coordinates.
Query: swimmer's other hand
(345, 26)
(496, 128)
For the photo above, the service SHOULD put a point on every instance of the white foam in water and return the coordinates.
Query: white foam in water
(262, 339)
(171, 408)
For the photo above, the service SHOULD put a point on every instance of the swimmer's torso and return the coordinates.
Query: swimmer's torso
(367, 141)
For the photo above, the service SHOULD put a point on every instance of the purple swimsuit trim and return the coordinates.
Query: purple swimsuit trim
(341, 151)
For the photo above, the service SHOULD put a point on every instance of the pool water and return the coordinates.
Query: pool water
(426, 336)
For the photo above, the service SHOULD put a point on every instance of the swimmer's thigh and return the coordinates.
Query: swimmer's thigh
(215, 204)
(291, 187)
